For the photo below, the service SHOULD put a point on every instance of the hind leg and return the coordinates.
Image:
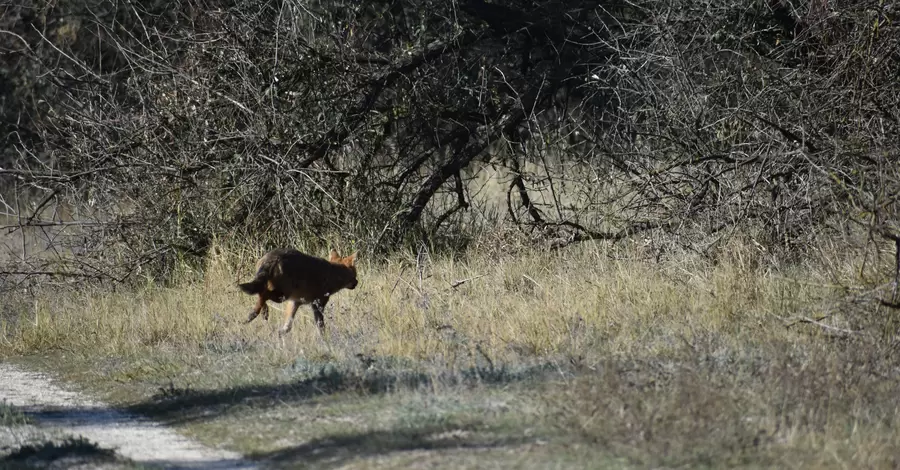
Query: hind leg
(290, 311)
(260, 307)
(276, 296)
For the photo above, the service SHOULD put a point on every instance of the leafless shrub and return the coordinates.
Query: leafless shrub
(169, 126)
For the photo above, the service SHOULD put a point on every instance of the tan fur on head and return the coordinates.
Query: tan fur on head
(335, 257)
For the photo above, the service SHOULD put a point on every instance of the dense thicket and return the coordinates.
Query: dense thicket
(164, 125)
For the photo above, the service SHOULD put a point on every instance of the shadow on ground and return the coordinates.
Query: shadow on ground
(65, 454)
(338, 450)
(179, 406)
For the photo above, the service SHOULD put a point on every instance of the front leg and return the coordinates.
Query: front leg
(318, 307)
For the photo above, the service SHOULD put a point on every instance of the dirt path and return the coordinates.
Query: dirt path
(133, 437)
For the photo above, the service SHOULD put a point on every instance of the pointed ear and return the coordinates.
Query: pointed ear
(350, 260)
(333, 255)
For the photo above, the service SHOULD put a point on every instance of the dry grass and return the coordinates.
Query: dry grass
(594, 350)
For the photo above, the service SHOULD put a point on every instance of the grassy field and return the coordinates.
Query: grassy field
(595, 356)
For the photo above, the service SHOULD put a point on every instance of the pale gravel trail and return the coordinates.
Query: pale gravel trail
(133, 437)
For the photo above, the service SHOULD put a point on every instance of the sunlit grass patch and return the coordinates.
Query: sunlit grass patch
(680, 360)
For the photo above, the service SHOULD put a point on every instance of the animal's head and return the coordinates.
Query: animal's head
(347, 261)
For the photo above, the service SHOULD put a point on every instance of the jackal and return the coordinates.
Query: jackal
(287, 274)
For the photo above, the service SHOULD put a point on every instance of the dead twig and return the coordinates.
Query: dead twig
(459, 282)
(533, 281)
(831, 330)
(399, 278)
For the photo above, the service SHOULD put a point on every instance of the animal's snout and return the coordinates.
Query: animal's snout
(352, 284)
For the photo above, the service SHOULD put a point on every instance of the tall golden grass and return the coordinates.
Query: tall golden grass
(508, 301)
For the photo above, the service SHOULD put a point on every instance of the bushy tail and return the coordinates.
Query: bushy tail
(255, 286)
